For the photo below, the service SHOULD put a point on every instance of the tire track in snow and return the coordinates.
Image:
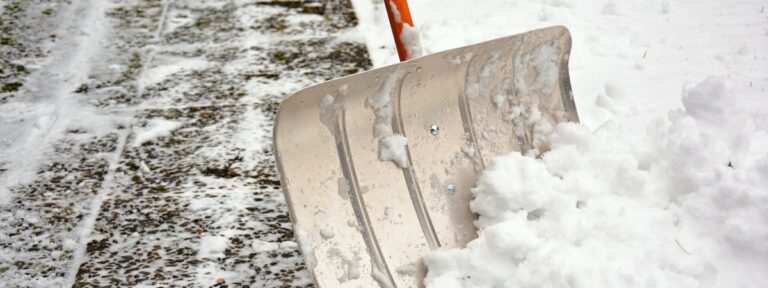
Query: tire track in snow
(49, 102)
(57, 161)
(85, 227)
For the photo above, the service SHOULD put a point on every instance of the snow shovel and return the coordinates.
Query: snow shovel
(377, 167)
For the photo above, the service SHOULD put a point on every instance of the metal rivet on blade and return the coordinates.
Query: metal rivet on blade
(451, 189)
(434, 129)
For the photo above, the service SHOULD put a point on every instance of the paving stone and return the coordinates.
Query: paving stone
(201, 206)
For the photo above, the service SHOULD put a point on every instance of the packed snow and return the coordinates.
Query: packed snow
(305, 244)
(392, 146)
(381, 104)
(409, 35)
(665, 181)
(542, 62)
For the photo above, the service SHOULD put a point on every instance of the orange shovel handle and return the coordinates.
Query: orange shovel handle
(398, 13)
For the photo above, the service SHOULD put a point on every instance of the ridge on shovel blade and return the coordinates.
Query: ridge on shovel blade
(360, 220)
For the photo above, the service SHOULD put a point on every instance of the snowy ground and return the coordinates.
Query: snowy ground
(663, 184)
(135, 138)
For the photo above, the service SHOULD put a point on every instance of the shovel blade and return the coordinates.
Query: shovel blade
(361, 220)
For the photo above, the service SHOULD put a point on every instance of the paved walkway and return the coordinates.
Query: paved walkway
(155, 166)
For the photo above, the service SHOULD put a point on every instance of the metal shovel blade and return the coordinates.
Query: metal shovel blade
(363, 221)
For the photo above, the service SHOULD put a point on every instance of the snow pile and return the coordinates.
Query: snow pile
(615, 208)
(710, 105)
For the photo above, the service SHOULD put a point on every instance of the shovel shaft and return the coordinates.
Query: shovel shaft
(399, 14)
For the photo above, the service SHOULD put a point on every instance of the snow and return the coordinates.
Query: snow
(601, 211)
(161, 72)
(395, 12)
(351, 266)
(331, 107)
(707, 101)
(155, 128)
(85, 227)
(327, 233)
(542, 63)
(408, 269)
(212, 246)
(260, 246)
(393, 148)
(381, 104)
(50, 108)
(108, 77)
(305, 244)
(409, 36)
(381, 278)
(344, 188)
(664, 181)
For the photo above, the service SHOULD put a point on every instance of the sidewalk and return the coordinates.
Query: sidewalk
(153, 165)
